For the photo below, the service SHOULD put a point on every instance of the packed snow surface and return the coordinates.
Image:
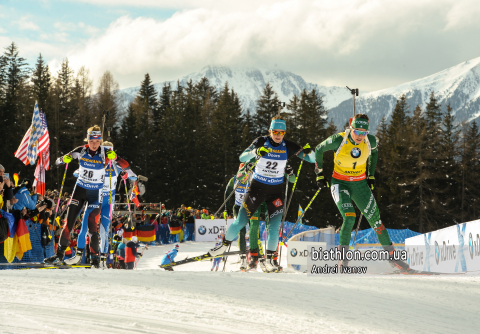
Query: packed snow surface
(193, 299)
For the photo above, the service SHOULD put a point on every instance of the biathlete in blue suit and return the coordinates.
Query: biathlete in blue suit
(92, 158)
(272, 152)
(169, 257)
(119, 165)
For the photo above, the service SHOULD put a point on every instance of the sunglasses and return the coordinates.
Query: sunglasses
(275, 132)
(360, 132)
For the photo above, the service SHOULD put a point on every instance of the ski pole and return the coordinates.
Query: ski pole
(128, 202)
(295, 184)
(284, 216)
(226, 258)
(299, 218)
(358, 226)
(61, 189)
(236, 186)
(138, 260)
(111, 203)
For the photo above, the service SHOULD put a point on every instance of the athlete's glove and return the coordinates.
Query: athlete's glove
(289, 170)
(111, 155)
(225, 214)
(67, 159)
(124, 175)
(262, 151)
(371, 182)
(321, 182)
(307, 149)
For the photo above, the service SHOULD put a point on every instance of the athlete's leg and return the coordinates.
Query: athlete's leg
(363, 198)
(274, 213)
(341, 195)
(92, 214)
(105, 219)
(74, 209)
(254, 197)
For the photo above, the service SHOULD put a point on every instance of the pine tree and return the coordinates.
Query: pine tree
(267, 108)
(41, 79)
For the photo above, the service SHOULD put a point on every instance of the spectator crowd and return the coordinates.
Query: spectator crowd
(23, 203)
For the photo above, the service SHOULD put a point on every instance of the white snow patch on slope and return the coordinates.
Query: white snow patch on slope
(151, 300)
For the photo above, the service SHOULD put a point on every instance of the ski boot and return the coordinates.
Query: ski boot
(103, 261)
(342, 263)
(396, 264)
(56, 259)
(275, 262)
(263, 265)
(252, 265)
(170, 268)
(75, 259)
(219, 250)
(95, 261)
(243, 262)
(270, 265)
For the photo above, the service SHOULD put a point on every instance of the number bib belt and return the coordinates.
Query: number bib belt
(92, 172)
(351, 161)
(271, 167)
(240, 192)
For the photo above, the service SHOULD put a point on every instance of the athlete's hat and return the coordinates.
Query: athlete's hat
(278, 124)
(360, 123)
(92, 135)
(177, 246)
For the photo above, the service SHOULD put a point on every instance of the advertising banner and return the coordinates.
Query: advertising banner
(209, 229)
(449, 250)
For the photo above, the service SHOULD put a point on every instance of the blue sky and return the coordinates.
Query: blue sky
(373, 44)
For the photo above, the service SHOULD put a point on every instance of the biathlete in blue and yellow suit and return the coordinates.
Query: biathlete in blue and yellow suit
(89, 187)
(353, 179)
(117, 166)
(272, 152)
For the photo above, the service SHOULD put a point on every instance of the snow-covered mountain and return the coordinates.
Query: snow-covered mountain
(458, 85)
(249, 84)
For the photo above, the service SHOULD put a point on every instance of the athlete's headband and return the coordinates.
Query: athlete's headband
(278, 124)
(359, 123)
(91, 135)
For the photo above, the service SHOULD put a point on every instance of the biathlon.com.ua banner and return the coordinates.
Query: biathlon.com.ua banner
(321, 262)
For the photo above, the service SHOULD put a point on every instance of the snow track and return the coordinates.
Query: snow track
(151, 300)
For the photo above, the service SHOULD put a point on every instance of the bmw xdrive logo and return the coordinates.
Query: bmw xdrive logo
(437, 253)
(202, 230)
(293, 252)
(355, 153)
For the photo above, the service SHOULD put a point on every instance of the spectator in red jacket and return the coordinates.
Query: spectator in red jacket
(131, 253)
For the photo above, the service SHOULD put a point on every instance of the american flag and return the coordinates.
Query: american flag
(36, 131)
(26, 151)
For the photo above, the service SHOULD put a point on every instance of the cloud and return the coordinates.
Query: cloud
(65, 26)
(26, 23)
(2, 31)
(369, 43)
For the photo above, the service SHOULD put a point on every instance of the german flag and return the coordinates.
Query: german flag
(146, 233)
(23, 239)
(129, 233)
(175, 227)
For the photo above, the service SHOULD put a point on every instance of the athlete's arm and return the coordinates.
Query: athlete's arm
(250, 152)
(125, 166)
(228, 191)
(293, 148)
(329, 144)
(75, 154)
(372, 159)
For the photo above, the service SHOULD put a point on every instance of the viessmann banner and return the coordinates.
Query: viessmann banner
(209, 229)
(449, 250)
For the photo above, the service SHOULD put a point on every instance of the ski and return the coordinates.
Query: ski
(198, 258)
(44, 265)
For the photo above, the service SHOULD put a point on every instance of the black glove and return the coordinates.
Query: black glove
(289, 170)
(371, 182)
(262, 151)
(307, 149)
(321, 182)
